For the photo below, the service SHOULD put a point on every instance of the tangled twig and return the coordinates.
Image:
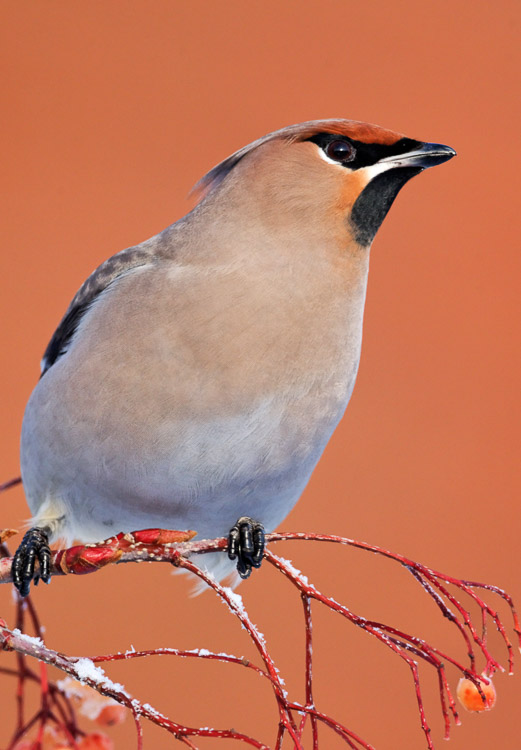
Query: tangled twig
(179, 549)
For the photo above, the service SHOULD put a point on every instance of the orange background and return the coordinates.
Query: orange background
(111, 111)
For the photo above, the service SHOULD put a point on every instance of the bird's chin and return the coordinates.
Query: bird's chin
(375, 200)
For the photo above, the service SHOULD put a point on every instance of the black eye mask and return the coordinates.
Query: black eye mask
(366, 153)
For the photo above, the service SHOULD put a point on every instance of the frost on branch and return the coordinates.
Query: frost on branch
(61, 701)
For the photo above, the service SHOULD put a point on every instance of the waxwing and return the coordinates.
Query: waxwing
(197, 377)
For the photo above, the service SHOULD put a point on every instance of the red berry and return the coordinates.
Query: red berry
(470, 698)
(111, 715)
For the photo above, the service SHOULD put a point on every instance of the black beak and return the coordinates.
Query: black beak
(424, 156)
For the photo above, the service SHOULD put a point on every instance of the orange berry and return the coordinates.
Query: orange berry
(23, 745)
(111, 715)
(470, 698)
(96, 741)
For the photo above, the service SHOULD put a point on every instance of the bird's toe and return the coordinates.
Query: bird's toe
(33, 547)
(246, 545)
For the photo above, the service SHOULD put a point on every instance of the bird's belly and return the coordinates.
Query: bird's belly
(197, 473)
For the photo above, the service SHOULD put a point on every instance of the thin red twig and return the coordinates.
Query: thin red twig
(177, 548)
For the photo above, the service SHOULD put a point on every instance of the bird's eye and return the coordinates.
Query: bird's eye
(340, 151)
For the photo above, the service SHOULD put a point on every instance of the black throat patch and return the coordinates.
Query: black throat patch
(375, 200)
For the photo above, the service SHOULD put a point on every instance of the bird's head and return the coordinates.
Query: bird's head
(344, 171)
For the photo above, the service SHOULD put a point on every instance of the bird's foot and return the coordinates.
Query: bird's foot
(34, 546)
(246, 544)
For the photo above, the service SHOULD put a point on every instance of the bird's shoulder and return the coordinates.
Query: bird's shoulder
(112, 269)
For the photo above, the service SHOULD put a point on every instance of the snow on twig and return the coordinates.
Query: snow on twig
(180, 550)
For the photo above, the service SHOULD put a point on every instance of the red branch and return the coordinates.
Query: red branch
(178, 549)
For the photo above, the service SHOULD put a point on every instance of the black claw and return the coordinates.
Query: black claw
(233, 543)
(34, 546)
(246, 544)
(258, 544)
(45, 563)
(246, 539)
(243, 568)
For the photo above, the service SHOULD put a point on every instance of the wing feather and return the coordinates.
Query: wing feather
(97, 282)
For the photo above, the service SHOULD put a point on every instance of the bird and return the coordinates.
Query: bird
(196, 378)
